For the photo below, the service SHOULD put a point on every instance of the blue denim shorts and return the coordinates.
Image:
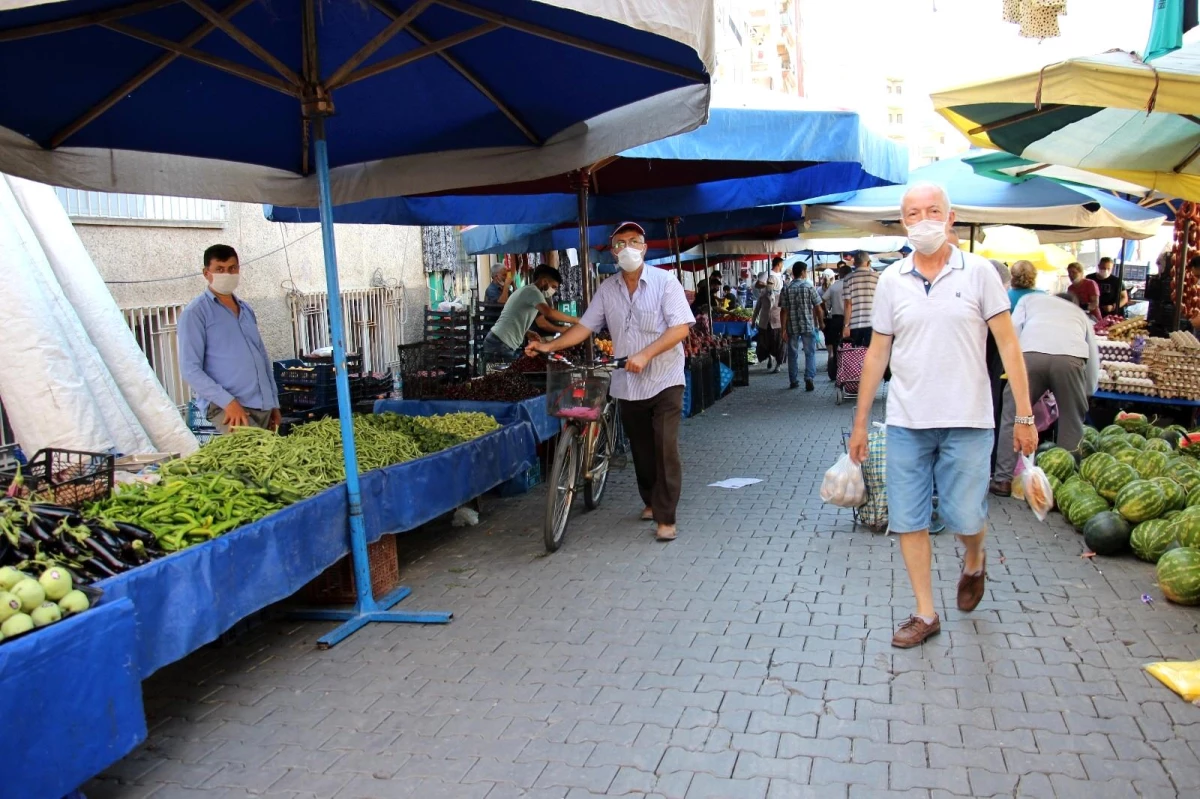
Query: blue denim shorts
(957, 460)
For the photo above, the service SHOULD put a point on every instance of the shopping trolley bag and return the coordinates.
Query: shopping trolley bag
(849, 370)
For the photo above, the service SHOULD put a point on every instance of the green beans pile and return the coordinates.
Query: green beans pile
(186, 510)
(417, 428)
(466, 425)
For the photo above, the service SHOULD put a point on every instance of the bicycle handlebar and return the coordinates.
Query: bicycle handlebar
(615, 363)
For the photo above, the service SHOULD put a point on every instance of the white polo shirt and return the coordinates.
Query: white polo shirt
(939, 338)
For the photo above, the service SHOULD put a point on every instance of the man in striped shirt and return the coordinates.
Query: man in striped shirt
(647, 314)
(858, 294)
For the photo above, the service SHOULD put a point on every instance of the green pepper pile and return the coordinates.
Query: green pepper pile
(238, 478)
(186, 510)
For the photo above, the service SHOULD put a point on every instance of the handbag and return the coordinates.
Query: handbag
(1045, 412)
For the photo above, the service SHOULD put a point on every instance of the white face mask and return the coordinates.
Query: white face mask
(224, 283)
(927, 236)
(550, 292)
(630, 259)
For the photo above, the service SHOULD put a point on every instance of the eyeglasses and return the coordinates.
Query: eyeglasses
(617, 246)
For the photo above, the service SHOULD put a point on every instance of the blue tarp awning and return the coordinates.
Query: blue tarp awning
(743, 158)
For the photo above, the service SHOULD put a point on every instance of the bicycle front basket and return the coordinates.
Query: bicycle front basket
(576, 393)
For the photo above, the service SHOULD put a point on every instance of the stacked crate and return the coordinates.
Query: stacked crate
(448, 344)
(313, 383)
(486, 314)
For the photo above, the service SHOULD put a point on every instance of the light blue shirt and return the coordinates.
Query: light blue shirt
(222, 356)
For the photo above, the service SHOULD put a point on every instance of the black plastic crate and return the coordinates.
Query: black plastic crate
(739, 357)
(63, 476)
(707, 386)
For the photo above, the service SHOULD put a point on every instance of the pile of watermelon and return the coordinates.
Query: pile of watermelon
(1135, 486)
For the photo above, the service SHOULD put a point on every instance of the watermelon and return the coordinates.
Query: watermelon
(1058, 462)
(1087, 446)
(1131, 422)
(1151, 539)
(1152, 431)
(1083, 507)
(1187, 528)
(1055, 485)
(1171, 438)
(1110, 481)
(1106, 533)
(1136, 440)
(1193, 498)
(1176, 496)
(1176, 428)
(1151, 464)
(1185, 474)
(1140, 501)
(1114, 444)
(1158, 445)
(1128, 455)
(1112, 430)
(1178, 573)
(1093, 464)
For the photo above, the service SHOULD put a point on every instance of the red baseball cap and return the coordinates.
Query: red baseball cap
(621, 228)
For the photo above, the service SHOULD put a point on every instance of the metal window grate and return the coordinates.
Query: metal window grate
(85, 205)
(156, 330)
(372, 319)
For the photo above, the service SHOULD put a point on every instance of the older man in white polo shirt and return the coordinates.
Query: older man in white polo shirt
(931, 316)
(647, 314)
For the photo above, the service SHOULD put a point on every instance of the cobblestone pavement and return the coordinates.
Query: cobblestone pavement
(751, 658)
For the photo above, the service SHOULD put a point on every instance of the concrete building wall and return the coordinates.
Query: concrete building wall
(160, 264)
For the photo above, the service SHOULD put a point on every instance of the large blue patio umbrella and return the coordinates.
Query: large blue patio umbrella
(232, 99)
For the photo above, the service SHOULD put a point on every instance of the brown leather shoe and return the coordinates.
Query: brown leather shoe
(970, 588)
(914, 632)
(1001, 488)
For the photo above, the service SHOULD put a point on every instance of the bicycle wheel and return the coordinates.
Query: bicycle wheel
(602, 453)
(560, 493)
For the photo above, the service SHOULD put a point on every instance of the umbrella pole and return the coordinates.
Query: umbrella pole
(366, 608)
(674, 234)
(972, 245)
(585, 267)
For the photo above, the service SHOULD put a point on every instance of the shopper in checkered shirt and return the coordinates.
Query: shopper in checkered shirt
(801, 317)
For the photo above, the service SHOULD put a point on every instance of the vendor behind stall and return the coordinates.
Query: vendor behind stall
(507, 337)
(1113, 296)
(222, 355)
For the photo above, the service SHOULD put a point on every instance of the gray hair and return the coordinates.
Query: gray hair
(497, 268)
(1002, 271)
(925, 185)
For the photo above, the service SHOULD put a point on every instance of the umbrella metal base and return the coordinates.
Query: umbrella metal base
(354, 619)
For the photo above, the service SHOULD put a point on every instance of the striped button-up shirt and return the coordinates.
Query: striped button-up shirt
(635, 321)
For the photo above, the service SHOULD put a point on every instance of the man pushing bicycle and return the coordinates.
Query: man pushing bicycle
(647, 314)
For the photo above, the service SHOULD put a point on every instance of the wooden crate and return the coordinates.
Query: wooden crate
(336, 586)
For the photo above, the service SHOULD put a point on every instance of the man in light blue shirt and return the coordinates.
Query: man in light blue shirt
(222, 355)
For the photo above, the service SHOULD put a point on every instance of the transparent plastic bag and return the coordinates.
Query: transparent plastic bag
(1182, 677)
(843, 484)
(1036, 488)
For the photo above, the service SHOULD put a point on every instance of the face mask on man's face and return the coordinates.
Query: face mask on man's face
(630, 259)
(550, 291)
(224, 282)
(927, 236)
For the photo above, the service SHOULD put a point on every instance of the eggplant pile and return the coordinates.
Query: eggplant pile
(38, 536)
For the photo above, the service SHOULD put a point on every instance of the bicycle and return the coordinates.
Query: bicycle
(591, 435)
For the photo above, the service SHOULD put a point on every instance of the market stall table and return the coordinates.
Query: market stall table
(71, 694)
(1188, 407)
(733, 329)
(187, 599)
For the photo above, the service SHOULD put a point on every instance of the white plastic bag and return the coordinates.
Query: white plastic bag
(1036, 488)
(843, 484)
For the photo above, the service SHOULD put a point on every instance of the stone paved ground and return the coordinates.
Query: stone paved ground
(751, 658)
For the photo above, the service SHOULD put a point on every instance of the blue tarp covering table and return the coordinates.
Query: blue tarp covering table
(71, 696)
(187, 599)
(735, 329)
(532, 410)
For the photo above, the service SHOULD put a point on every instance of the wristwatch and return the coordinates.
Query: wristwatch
(1027, 420)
